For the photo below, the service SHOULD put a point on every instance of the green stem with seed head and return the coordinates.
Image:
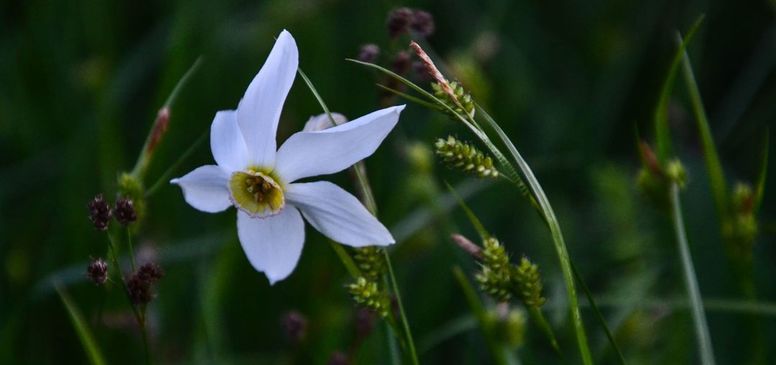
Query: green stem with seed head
(369, 202)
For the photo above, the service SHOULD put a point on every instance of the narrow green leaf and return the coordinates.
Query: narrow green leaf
(398, 77)
(662, 131)
(346, 260)
(82, 328)
(403, 316)
(144, 158)
(599, 315)
(691, 281)
(182, 82)
(469, 213)
(557, 236)
(713, 165)
(411, 98)
(760, 187)
(164, 178)
(538, 317)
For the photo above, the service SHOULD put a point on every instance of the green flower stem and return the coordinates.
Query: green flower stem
(713, 165)
(131, 249)
(86, 336)
(538, 317)
(144, 159)
(696, 303)
(139, 314)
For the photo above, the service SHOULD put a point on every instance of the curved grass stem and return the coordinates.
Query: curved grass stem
(691, 281)
(556, 233)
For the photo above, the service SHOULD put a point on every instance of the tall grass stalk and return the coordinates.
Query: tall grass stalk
(89, 343)
(691, 281)
(535, 194)
(368, 199)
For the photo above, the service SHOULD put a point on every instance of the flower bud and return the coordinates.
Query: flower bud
(676, 173)
(323, 121)
(97, 271)
(139, 283)
(150, 272)
(743, 198)
(159, 129)
(125, 211)
(99, 213)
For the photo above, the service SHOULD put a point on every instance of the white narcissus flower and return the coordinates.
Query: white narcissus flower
(259, 179)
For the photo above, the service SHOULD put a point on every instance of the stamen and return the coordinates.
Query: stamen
(256, 193)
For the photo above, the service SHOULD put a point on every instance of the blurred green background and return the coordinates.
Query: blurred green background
(570, 81)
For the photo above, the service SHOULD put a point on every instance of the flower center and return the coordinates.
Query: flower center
(256, 193)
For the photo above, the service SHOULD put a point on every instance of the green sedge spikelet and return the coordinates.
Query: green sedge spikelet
(370, 261)
(495, 275)
(528, 283)
(465, 157)
(370, 295)
(458, 100)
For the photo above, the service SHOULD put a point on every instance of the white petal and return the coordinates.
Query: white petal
(273, 244)
(332, 150)
(338, 214)
(227, 143)
(322, 121)
(205, 188)
(259, 110)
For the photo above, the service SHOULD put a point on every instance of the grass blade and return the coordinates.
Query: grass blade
(691, 281)
(555, 231)
(662, 132)
(713, 165)
(82, 328)
(411, 98)
(598, 315)
(144, 159)
(469, 213)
